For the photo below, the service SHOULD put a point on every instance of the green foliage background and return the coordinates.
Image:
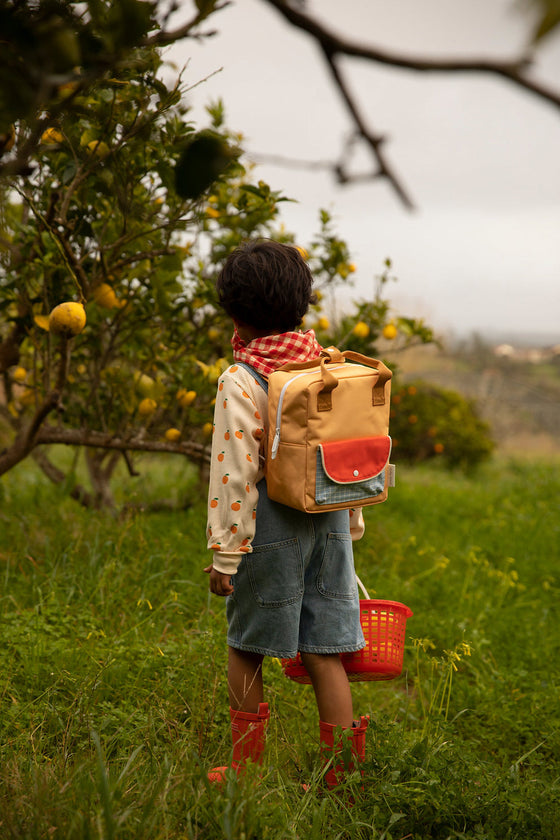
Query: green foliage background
(429, 422)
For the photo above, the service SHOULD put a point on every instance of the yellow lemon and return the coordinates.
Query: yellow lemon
(361, 330)
(389, 331)
(19, 375)
(323, 323)
(213, 333)
(145, 385)
(172, 435)
(185, 398)
(146, 407)
(98, 148)
(68, 318)
(105, 296)
(207, 429)
(51, 137)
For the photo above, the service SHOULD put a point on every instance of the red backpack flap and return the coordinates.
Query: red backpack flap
(359, 459)
(353, 471)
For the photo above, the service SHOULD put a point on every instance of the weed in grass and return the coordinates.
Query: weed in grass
(434, 690)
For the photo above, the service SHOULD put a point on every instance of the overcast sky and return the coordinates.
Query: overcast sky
(480, 158)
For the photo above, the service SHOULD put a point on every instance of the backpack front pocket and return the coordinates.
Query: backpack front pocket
(352, 470)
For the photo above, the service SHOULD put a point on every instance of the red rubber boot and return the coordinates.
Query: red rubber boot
(248, 734)
(333, 747)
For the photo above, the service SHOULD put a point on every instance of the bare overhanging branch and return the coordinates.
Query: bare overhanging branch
(333, 46)
(513, 70)
(375, 142)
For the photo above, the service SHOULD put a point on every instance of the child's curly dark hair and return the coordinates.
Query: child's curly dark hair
(266, 285)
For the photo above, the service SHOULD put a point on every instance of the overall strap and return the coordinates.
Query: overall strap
(259, 378)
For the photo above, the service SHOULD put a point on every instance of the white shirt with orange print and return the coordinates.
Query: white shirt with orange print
(237, 466)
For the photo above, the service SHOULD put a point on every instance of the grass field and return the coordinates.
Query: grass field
(112, 682)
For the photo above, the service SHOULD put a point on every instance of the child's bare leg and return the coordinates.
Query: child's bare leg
(331, 686)
(245, 683)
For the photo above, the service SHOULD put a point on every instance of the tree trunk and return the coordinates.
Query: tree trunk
(101, 465)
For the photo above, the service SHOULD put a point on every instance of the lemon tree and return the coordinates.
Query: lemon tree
(110, 334)
(53, 51)
(130, 261)
(370, 326)
(117, 213)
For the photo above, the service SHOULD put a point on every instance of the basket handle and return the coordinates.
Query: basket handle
(362, 587)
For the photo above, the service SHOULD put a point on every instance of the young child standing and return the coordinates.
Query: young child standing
(288, 575)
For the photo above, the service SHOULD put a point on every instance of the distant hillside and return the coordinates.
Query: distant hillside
(518, 339)
(520, 400)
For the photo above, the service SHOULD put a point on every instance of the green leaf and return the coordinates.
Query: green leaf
(205, 158)
(69, 173)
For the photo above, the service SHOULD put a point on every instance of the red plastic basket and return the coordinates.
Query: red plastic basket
(383, 625)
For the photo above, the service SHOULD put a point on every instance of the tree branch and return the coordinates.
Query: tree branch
(513, 70)
(375, 142)
(102, 440)
(26, 440)
(334, 45)
(165, 37)
(9, 347)
(64, 249)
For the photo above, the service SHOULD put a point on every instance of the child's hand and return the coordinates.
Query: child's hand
(220, 584)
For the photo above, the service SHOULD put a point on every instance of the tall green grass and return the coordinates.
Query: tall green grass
(112, 680)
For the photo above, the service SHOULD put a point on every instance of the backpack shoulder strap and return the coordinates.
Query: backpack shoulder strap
(258, 377)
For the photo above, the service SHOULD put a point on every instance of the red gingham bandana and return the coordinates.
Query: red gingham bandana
(272, 351)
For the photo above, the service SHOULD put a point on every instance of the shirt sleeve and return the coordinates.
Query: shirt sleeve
(235, 470)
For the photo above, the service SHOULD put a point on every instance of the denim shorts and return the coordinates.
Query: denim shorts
(297, 589)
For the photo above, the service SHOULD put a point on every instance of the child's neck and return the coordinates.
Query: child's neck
(247, 333)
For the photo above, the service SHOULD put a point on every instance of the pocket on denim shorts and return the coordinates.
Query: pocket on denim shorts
(336, 578)
(275, 572)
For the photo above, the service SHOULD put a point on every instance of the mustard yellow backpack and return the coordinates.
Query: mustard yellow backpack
(328, 440)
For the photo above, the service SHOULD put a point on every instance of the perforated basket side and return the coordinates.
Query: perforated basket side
(384, 626)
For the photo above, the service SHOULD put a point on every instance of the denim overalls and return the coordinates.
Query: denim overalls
(297, 589)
